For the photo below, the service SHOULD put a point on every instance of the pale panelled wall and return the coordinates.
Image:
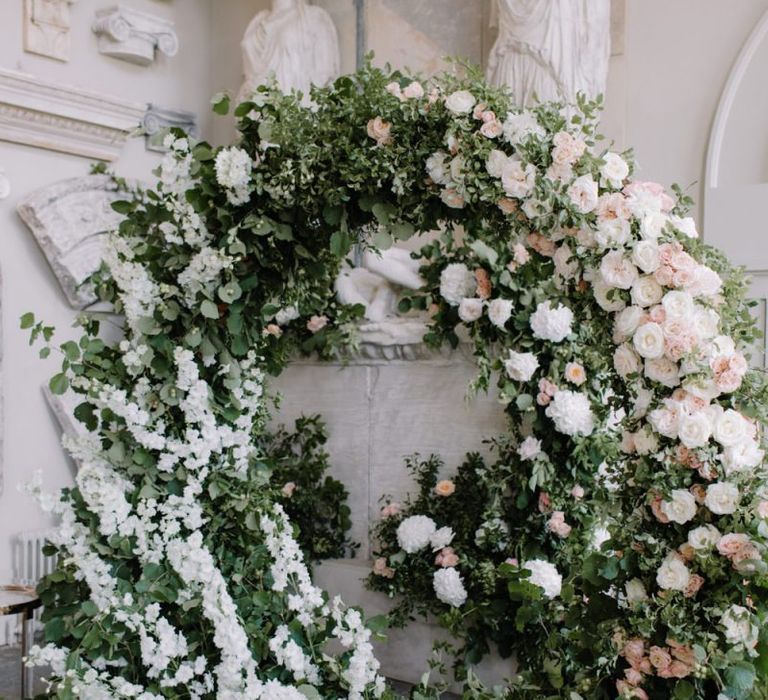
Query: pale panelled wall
(31, 434)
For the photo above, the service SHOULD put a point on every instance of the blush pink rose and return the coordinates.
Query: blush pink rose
(446, 557)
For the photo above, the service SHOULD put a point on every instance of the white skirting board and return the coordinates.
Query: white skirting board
(405, 654)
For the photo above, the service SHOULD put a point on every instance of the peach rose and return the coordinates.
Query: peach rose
(380, 568)
(557, 525)
(390, 510)
(288, 489)
(575, 373)
(484, 286)
(446, 557)
(317, 323)
(543, 246)
(658, 513)
(682, 652)
(273, 329)
(491, 129)
(445, 487)
(507, 205)
(380, 131)
(729, 545)
(695, 582)
(634, 651)
(577, 492)
(545, 504)
(633, 676)
(659, 657)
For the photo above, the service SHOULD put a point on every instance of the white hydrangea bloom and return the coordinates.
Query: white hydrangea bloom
(415, 532)
(551, 324)
(571, 413)
(544, 575)
(457, 282)
(449, 587)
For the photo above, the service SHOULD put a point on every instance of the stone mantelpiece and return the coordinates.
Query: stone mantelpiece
(379, 411)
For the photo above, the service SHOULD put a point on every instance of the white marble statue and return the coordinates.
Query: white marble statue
(294, 42)
(551, 49)
(376, 284)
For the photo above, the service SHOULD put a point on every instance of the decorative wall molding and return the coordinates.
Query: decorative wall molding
(46, 28)
(134, 36)
(69, 220)
(727, 99)
(158, 120)
(67, 119)
(5, 184)
(722, 199)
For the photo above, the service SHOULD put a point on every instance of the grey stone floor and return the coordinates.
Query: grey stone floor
(10, 674)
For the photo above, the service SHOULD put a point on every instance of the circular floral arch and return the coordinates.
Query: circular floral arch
(617, 544)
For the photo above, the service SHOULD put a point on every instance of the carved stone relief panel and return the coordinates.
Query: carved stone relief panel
(46, 28)
(69, 220)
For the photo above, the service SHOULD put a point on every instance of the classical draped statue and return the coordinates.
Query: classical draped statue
(551, 49)
(293, 42)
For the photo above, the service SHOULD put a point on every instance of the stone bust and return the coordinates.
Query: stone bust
(293, 42)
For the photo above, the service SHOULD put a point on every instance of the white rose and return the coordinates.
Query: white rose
(583, 194)
(499, 312)
(625, 361)
(565, 265)
(414, 90)
(495, 163)
(614, 170)
(743, 457)
(722, 498)
(441, 538)
(521, 366)
(704, 537)
(460, 102)
(645, 255)
(470, 309)
(739, 626)
(646, 291)
(652, 224)
(437, 168)
(518, 180)
(706, 282)
(530, 448)
(551, 324)
(665, 422)
(601, 290)
(519, 127)
(645, 441)
(649, 340)
(642, 403)
(695, 429)
(723, 345)
(663, 371)
(678, 304)
(544, 575)
(625, 323)
(686, 225)
(457, 282)
(449, 587)
(673, 575)
(706, 322)
(571, 413)
(702, 388)
(681, 508)
(730, 428)
(611, 233)
(617, 270)
(635, 591)
(415, 532)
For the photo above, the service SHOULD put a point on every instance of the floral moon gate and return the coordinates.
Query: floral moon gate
(617, 546)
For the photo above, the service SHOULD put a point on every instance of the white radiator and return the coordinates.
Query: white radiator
(29, 566)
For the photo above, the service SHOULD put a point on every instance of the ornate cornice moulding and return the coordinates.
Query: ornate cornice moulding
(134, 36)
(60, 118)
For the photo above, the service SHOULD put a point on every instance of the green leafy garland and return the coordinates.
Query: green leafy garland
(227, 269)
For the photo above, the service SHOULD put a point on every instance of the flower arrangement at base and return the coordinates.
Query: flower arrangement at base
(616, 545)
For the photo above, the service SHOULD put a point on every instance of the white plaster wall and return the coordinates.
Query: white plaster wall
(31, 439)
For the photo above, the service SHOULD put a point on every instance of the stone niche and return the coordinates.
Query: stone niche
(389, 401)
